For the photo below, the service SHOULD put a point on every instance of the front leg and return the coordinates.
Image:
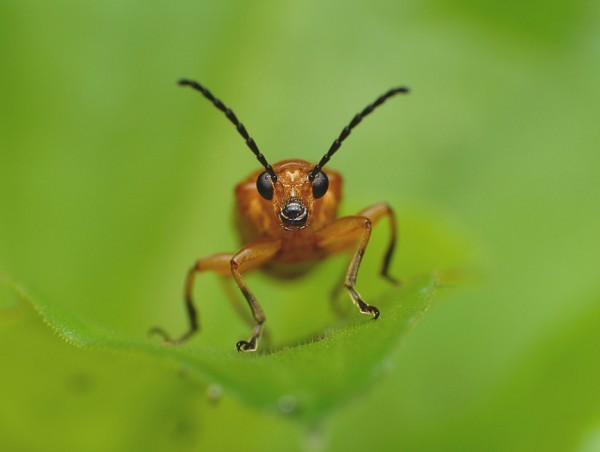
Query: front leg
(375, 213)
(336, 236)
(252, 256)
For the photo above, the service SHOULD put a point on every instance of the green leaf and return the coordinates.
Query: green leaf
(306, 380)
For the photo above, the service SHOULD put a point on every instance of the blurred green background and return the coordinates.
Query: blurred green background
(113, 180)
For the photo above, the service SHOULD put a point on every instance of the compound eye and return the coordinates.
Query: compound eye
(265, 186)
(320, 185)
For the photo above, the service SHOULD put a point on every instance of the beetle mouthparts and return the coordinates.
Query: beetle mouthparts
(294, 214)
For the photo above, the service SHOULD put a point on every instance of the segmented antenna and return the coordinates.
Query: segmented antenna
(238, 125)
(355, 121)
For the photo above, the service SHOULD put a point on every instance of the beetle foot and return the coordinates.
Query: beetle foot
(244, 346)
(166, 338)
(370, 310)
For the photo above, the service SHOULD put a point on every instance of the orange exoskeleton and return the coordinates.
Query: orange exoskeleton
(287, 217)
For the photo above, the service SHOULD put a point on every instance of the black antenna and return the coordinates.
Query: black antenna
(238, 125)
(355, 121)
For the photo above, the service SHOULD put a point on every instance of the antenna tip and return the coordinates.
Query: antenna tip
(400, 89)
(183, 82)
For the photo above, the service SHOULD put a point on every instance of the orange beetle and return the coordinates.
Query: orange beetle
(286, 215)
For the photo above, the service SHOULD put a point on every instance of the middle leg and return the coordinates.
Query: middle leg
(375, 213)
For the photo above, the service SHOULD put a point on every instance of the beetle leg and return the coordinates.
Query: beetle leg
(231, 291)
(334, 237)
(219, 263)
(252, 256)
(374, 213)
